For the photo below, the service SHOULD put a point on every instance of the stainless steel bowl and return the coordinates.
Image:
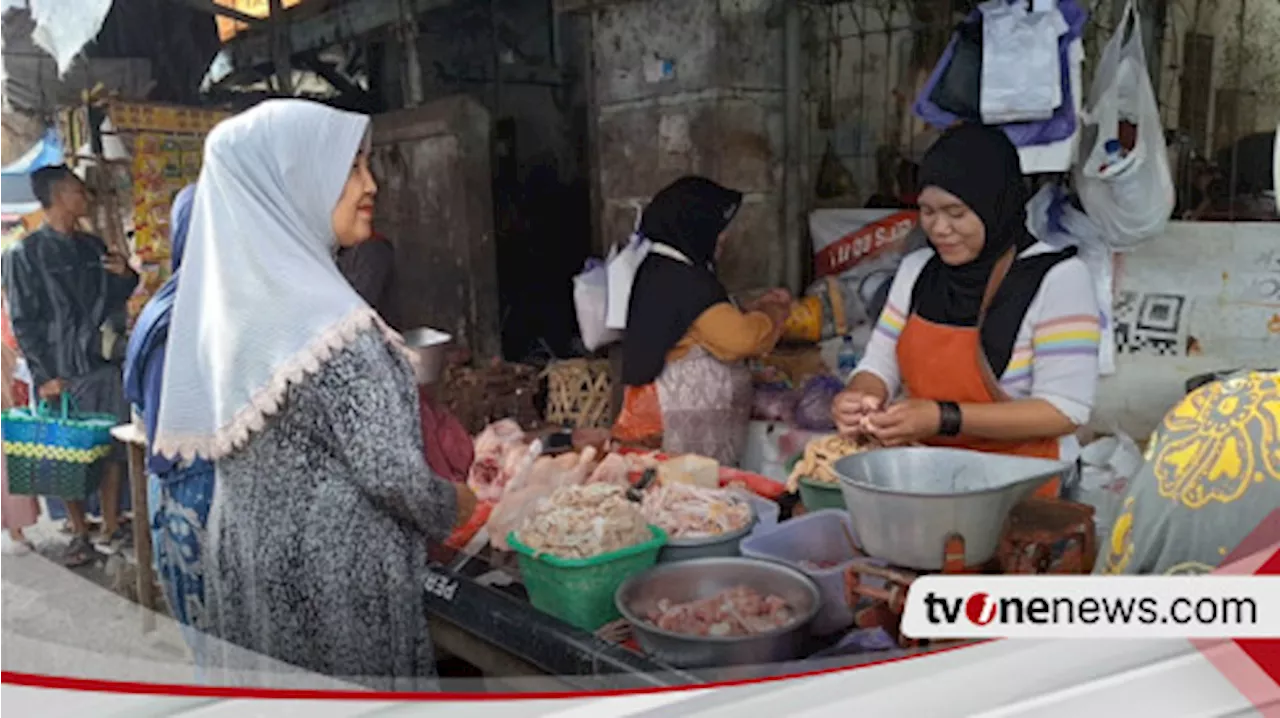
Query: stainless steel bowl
(905, 502)
(429, 345)
(726, 544)
(704, 578)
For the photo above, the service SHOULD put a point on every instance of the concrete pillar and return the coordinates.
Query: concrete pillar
(694, 87)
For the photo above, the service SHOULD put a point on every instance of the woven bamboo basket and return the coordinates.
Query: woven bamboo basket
(579, 392)
(478, 396)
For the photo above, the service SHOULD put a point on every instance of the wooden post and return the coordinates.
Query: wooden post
(280, 47)
(136, 444)
(414, 92)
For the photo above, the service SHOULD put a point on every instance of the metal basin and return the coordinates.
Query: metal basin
(725, 544)
(429, 345)
(704, 578)
(905, 502)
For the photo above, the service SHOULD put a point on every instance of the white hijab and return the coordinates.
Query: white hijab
(261, 303)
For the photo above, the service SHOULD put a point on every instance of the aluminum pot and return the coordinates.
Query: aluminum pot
(429, 346)
(704, 578)
(905, 502)
(725, 544)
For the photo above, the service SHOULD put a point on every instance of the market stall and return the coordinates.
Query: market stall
(623, 566)
(137, 156)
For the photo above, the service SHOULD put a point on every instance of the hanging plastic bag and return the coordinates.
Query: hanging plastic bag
(1052, 220)
(1021, 77)
(1023, 134)
(622, 268)
(1123, 175)
(591, 300)
(957, 88)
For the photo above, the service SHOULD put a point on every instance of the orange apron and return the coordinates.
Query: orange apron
(944, 363)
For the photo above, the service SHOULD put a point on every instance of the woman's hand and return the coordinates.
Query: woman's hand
(851, 410)
(771, 301)
(906, 422)
(777, 296)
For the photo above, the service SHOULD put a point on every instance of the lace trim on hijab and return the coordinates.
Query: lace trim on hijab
(267, 401)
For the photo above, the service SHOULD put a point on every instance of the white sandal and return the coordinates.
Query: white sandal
(17, 548)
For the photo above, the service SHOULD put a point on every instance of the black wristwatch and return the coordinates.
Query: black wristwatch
(950, 418)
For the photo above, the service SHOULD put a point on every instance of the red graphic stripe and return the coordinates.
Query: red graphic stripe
(36, 680)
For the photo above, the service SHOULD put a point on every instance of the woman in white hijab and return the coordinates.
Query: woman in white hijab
(280, 373)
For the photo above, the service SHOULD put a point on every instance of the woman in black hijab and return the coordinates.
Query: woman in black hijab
(685, 341)
(991, 336)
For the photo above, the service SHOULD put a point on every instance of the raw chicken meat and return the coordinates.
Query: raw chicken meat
(638, 463)
(499, 451)
(584, 521)
(536, 478)
(739, 611)
(686, 511)
(614, 469)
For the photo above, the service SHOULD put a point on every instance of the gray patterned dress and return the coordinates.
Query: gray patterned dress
(319, 526)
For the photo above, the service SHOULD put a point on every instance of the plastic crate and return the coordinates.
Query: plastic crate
(814, 537)
(580, 591)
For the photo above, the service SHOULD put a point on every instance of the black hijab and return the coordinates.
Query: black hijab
(667, 295)
(980, 165)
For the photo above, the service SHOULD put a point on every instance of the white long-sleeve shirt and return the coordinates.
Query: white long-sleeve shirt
(1055, 357)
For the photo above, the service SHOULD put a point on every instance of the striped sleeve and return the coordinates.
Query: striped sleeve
(881, 355)
(1065, 336)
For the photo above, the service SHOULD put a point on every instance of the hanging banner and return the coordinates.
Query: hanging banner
(139, 117)
(846, 239)
(162, 165)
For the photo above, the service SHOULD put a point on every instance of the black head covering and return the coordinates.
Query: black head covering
(668, 295)
(980, 165)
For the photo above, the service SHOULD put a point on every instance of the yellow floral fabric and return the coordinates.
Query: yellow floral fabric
(1212, 473)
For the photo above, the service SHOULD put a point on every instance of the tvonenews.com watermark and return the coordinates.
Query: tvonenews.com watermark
(1093, 607)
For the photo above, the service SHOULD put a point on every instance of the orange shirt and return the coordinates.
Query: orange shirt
(728, 334)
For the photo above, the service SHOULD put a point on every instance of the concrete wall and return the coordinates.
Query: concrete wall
(692, 86)
(1251, 63)
(1228, 276)
(435, 206)
(456, 50)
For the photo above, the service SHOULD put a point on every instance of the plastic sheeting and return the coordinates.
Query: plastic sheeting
(63, 34)
(33, 83)
(15, 179)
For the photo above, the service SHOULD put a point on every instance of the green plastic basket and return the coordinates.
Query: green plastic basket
(580, 591)
(816, 495)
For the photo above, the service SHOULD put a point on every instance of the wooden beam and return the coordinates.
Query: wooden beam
(215, 9)
(280, 47)
(344, 22)
(566, 6)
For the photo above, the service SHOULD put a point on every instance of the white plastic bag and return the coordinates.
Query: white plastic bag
(591, 300)
(1108, 465)
(622, 267)
(1130, 196)
(1081, 232)
(1059, 156)
(1021, 76)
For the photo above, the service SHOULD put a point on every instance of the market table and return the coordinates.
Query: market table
(135, 442)
(480, 613)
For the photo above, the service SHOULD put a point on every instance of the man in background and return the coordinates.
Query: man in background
(63, 287)
(369, 267)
